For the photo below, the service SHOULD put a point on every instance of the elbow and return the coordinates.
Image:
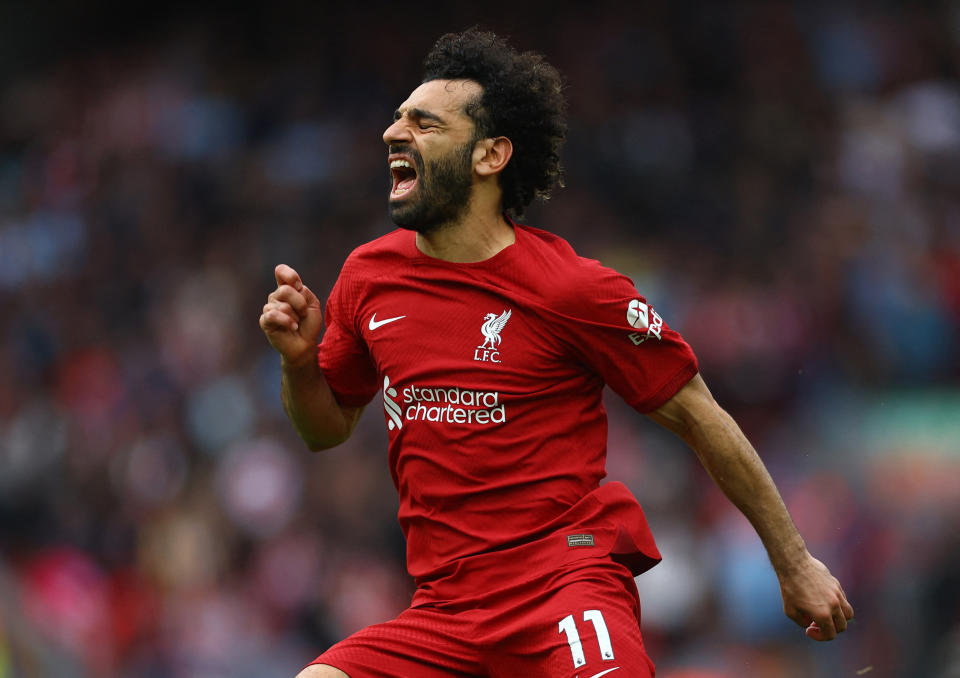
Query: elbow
(318, 439)
(326, 443)
(317, 446)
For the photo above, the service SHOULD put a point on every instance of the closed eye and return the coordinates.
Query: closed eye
(423, 119)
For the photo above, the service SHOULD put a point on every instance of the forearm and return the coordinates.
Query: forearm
(736, 468)
(812, 597)
(312, 407)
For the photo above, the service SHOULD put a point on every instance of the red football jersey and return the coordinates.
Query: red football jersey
(490, 376)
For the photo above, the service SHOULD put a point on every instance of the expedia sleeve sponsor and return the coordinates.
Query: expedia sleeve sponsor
(644, 317)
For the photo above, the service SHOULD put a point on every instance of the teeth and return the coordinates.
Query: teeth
(400, 163)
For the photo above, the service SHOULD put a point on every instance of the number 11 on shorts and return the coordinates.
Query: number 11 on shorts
(569, 626)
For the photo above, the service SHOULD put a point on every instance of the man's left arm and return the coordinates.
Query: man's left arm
(812, 597)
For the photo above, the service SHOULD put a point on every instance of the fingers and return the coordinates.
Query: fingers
(292, 317)
(841, 611)
(291, 291)
(845, 606)
(814, 599)
(279, 315)
(825, 627)
(815, 632)
(839, 620)
(285, 275)
(823, 630)
(287, 296)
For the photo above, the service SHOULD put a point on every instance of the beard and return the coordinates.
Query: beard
(441, 194)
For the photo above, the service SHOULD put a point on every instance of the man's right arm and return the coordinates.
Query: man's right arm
(292, 320)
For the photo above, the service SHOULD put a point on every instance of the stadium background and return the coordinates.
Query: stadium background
(782, 180)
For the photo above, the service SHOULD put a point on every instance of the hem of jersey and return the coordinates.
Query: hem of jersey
(606, 513)
(673, 385)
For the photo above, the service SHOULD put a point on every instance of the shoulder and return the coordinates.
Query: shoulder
(377, 256)
(368, 262)
(546, 244)
(566, 278)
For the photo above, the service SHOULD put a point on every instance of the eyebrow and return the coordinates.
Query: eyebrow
(417, 114)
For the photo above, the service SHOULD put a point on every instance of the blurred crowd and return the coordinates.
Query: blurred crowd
(781, 180)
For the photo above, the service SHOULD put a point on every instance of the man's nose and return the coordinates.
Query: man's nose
(399, 131)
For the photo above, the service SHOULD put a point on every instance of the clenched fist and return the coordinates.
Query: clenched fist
(814, 599)
(292, 318)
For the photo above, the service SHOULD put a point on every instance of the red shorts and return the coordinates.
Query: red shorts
(581, 622)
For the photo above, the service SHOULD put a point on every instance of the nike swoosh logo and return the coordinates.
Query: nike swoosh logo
(374, 323)
(603, 673)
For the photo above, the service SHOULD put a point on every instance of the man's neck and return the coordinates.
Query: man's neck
(473, 238)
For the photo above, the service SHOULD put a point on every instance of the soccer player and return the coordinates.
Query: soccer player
(488, 344)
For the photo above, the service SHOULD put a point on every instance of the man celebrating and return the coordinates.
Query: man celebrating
(490, 343)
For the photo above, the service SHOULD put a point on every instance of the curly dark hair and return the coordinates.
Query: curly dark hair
(522, 100)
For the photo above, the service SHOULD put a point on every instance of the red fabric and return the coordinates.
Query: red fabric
(494, 436)
(570, 623)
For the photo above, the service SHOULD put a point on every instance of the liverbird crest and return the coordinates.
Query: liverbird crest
(491, 328)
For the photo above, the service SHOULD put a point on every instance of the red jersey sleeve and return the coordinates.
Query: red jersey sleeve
(343, 356)
(619, 335)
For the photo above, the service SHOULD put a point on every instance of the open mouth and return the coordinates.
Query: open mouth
(404, 177)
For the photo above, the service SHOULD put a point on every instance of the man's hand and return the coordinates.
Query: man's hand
(813, 598)
(292, 318)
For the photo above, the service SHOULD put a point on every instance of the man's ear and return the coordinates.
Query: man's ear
(490, 156)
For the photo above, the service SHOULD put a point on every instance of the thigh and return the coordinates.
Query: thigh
(420, 643)
(581, 624)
